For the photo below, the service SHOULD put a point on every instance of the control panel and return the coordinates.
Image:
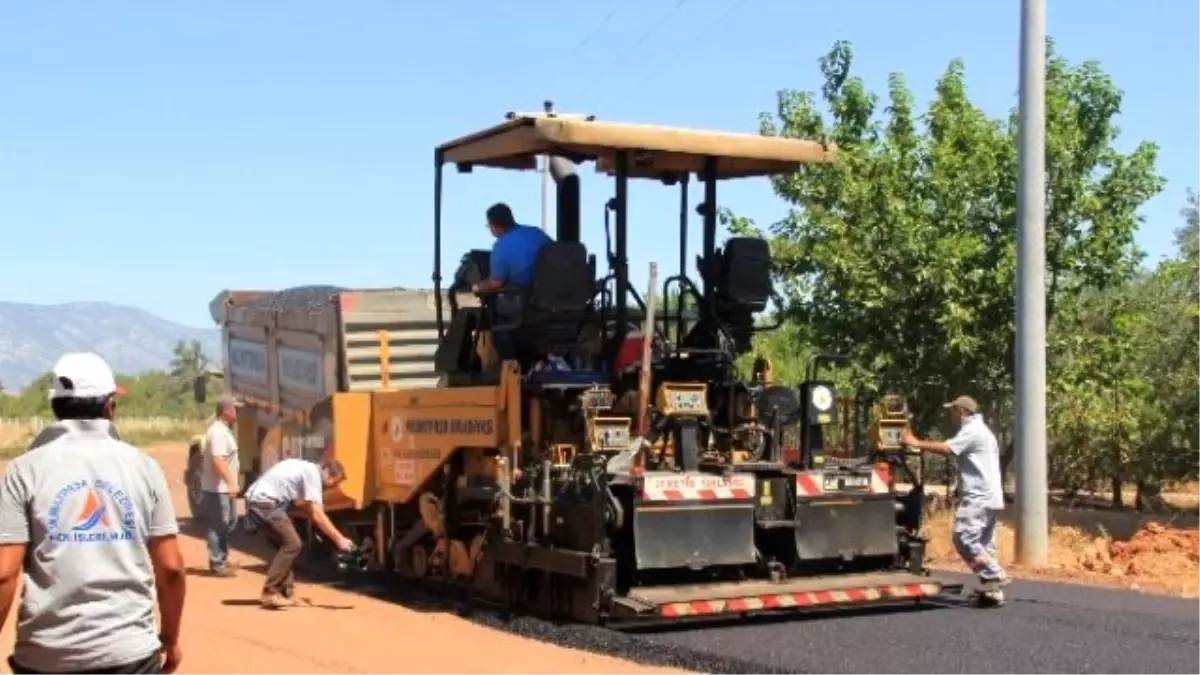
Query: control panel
(891, 419)
(679, 399)
(595, 399)
(609, 434)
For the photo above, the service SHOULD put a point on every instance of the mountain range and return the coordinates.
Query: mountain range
(132, 340)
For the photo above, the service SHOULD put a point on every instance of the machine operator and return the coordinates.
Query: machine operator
(978, 456)
(512, 259)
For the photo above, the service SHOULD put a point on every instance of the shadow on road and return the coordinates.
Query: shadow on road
(311, 568)
(303, 604)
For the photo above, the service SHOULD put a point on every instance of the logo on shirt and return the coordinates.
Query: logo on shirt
(91, 512)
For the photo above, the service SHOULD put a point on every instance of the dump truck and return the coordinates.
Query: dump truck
(619, 468)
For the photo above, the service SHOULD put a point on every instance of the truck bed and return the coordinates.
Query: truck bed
(294, 352)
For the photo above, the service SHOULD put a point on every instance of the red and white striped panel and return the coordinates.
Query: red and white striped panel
(682, 487)
(812, 483)
(785, 601)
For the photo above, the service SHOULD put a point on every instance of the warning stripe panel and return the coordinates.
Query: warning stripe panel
(680, 487)
(812, 483)
(846, 596)
(692, 494)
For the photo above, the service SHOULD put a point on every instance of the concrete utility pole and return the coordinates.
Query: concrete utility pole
(1032, 504)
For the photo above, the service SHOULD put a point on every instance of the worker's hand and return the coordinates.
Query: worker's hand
(344, 545)
(172, 655)
(909, 438)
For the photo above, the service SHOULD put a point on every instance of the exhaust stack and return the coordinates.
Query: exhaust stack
(567, 198)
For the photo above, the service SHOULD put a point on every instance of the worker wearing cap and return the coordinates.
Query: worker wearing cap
(88, 528)
(981, 494)
(219, 483)
(511, 266)
(293, 484)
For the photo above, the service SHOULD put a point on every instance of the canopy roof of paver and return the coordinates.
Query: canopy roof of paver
(654, 151)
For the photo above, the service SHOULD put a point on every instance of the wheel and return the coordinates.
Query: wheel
(191, 477)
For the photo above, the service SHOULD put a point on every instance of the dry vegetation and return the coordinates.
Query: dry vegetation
(1155, 552)
(16, 434)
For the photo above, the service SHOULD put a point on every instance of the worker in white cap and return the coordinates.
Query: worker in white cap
(981, 491)
(88, 529)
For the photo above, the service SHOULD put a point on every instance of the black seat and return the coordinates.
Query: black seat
(474, 267)
(745, 275)
(559, 299)
(740, 275)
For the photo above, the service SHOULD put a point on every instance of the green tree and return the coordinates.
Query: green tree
(187, 363)
(188, 360)
(902, 254)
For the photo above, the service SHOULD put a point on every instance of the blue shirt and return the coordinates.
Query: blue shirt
(513, 255)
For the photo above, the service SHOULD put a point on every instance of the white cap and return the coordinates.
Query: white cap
(83, 375)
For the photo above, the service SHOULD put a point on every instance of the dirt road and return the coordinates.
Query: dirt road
(224, 630)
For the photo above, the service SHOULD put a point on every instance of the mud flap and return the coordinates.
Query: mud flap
(693, 536)
(846, 529)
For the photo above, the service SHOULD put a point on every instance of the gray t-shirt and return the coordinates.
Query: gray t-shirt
(86, 503)
(219, 442)
(978, 456)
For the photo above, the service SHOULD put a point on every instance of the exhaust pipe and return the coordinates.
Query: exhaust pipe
(568, 200)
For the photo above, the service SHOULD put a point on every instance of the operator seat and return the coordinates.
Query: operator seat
(745, 275)
(559, 299)
(743, 286)
(740, 276)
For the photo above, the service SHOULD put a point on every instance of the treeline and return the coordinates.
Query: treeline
(902, 256)
(166, 393)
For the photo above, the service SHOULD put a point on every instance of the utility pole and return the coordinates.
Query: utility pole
(1032, 503)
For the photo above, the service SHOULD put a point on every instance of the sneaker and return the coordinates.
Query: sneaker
(988, 599)
(224, 572)
(994, 584)
(276, 601)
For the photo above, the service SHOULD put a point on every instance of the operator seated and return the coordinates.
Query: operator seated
(512, 259)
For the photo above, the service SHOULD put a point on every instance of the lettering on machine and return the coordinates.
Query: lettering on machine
(248, 359)
(482, 427)
(404, 472)
(303, 445)
(699, 482)
(301, 369)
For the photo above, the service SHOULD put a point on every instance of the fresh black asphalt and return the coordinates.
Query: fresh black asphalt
(1044, 628)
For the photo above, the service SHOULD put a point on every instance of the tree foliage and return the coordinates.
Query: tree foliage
(902, 255)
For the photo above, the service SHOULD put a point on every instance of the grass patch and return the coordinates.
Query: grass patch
(16, 435)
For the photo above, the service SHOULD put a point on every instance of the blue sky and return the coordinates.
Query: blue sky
(154, 153)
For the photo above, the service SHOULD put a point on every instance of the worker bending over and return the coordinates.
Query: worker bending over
(293, 484)
(511, 265)
(981, 495)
